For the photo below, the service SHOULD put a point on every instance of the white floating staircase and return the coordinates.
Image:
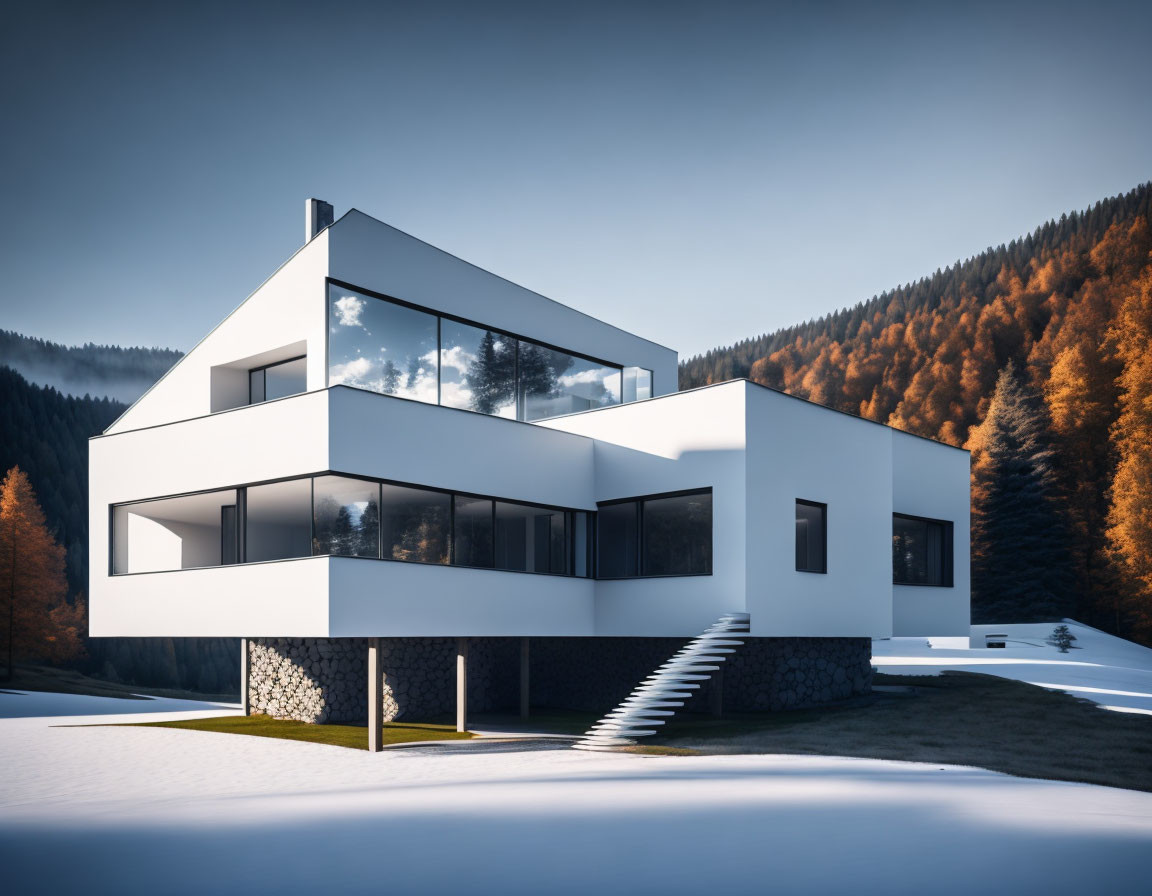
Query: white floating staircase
(666, 689)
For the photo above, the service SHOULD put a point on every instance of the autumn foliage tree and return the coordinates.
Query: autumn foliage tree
(1130, 513)
(1063, 304)
(39, 622)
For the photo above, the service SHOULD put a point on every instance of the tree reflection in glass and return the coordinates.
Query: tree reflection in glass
(414, 524)
(554, 382)
(477, 370)
(346, 517)
(381, 346)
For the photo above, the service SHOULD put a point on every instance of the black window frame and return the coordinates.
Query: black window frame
(242, 522)
(264, 367)
(442, 316)
(823, 571)
(639, 559)
(947, 571)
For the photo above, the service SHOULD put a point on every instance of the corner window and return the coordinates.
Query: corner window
(660, 535)
(347, 516)
(811, 536)
(921, 551)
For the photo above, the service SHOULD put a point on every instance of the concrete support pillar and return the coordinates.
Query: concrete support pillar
(375, 697)
(525, 687)
(245, 699)
(716, 693)
(461, 684)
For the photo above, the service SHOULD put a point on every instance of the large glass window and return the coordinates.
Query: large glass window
(477, 370)
(346, 517)
(662, 535)
(333, 515)
(174, 533)
(472, 533)
(921, 551)
(415, 524)
(278, 522)
(677, 535)
(811, 536)
(381, 346)
(531, 539)
(553, 382)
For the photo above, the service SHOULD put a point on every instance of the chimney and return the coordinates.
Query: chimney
(319, 216)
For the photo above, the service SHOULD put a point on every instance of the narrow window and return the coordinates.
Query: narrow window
(617, 534)
(229, 536)
(811, 536)
(637, 384)
(472, 532)
(921, 551)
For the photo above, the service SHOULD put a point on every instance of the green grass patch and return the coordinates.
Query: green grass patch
(958, 718)
(352, 736)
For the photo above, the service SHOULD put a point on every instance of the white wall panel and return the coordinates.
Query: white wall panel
(372, 255)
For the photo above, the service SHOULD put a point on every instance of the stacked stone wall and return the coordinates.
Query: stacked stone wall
(309, 679)
(325, 679)
(596, 674)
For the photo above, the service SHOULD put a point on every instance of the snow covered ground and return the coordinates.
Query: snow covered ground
(1110, 671)
(144, 810)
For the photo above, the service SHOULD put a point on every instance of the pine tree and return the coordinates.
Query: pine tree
(32, 582)
(491, 374)
(1020, 561)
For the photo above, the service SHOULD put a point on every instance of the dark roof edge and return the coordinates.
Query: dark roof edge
(506, 280)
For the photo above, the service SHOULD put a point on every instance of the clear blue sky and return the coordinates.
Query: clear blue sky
(697, 172)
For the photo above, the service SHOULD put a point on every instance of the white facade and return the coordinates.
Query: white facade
(748, 454)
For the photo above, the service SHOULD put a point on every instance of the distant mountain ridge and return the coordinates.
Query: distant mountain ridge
(108, 371)
(1070, 307)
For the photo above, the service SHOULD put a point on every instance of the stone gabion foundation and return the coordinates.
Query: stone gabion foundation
(326, 679)
(791, 673)
(596, 674)
(309, 679)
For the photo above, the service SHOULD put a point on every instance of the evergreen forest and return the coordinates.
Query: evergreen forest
(1037, 357)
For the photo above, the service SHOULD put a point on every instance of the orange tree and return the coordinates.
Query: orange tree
(33, 590)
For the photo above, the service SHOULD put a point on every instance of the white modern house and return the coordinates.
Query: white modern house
(388, 466)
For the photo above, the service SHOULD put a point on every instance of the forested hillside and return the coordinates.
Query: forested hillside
(1058, 327)
(100, 370)
(46, 434)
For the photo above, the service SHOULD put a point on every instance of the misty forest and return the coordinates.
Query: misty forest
(1036, 356)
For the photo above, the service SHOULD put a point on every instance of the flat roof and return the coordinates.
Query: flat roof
(781, 392)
